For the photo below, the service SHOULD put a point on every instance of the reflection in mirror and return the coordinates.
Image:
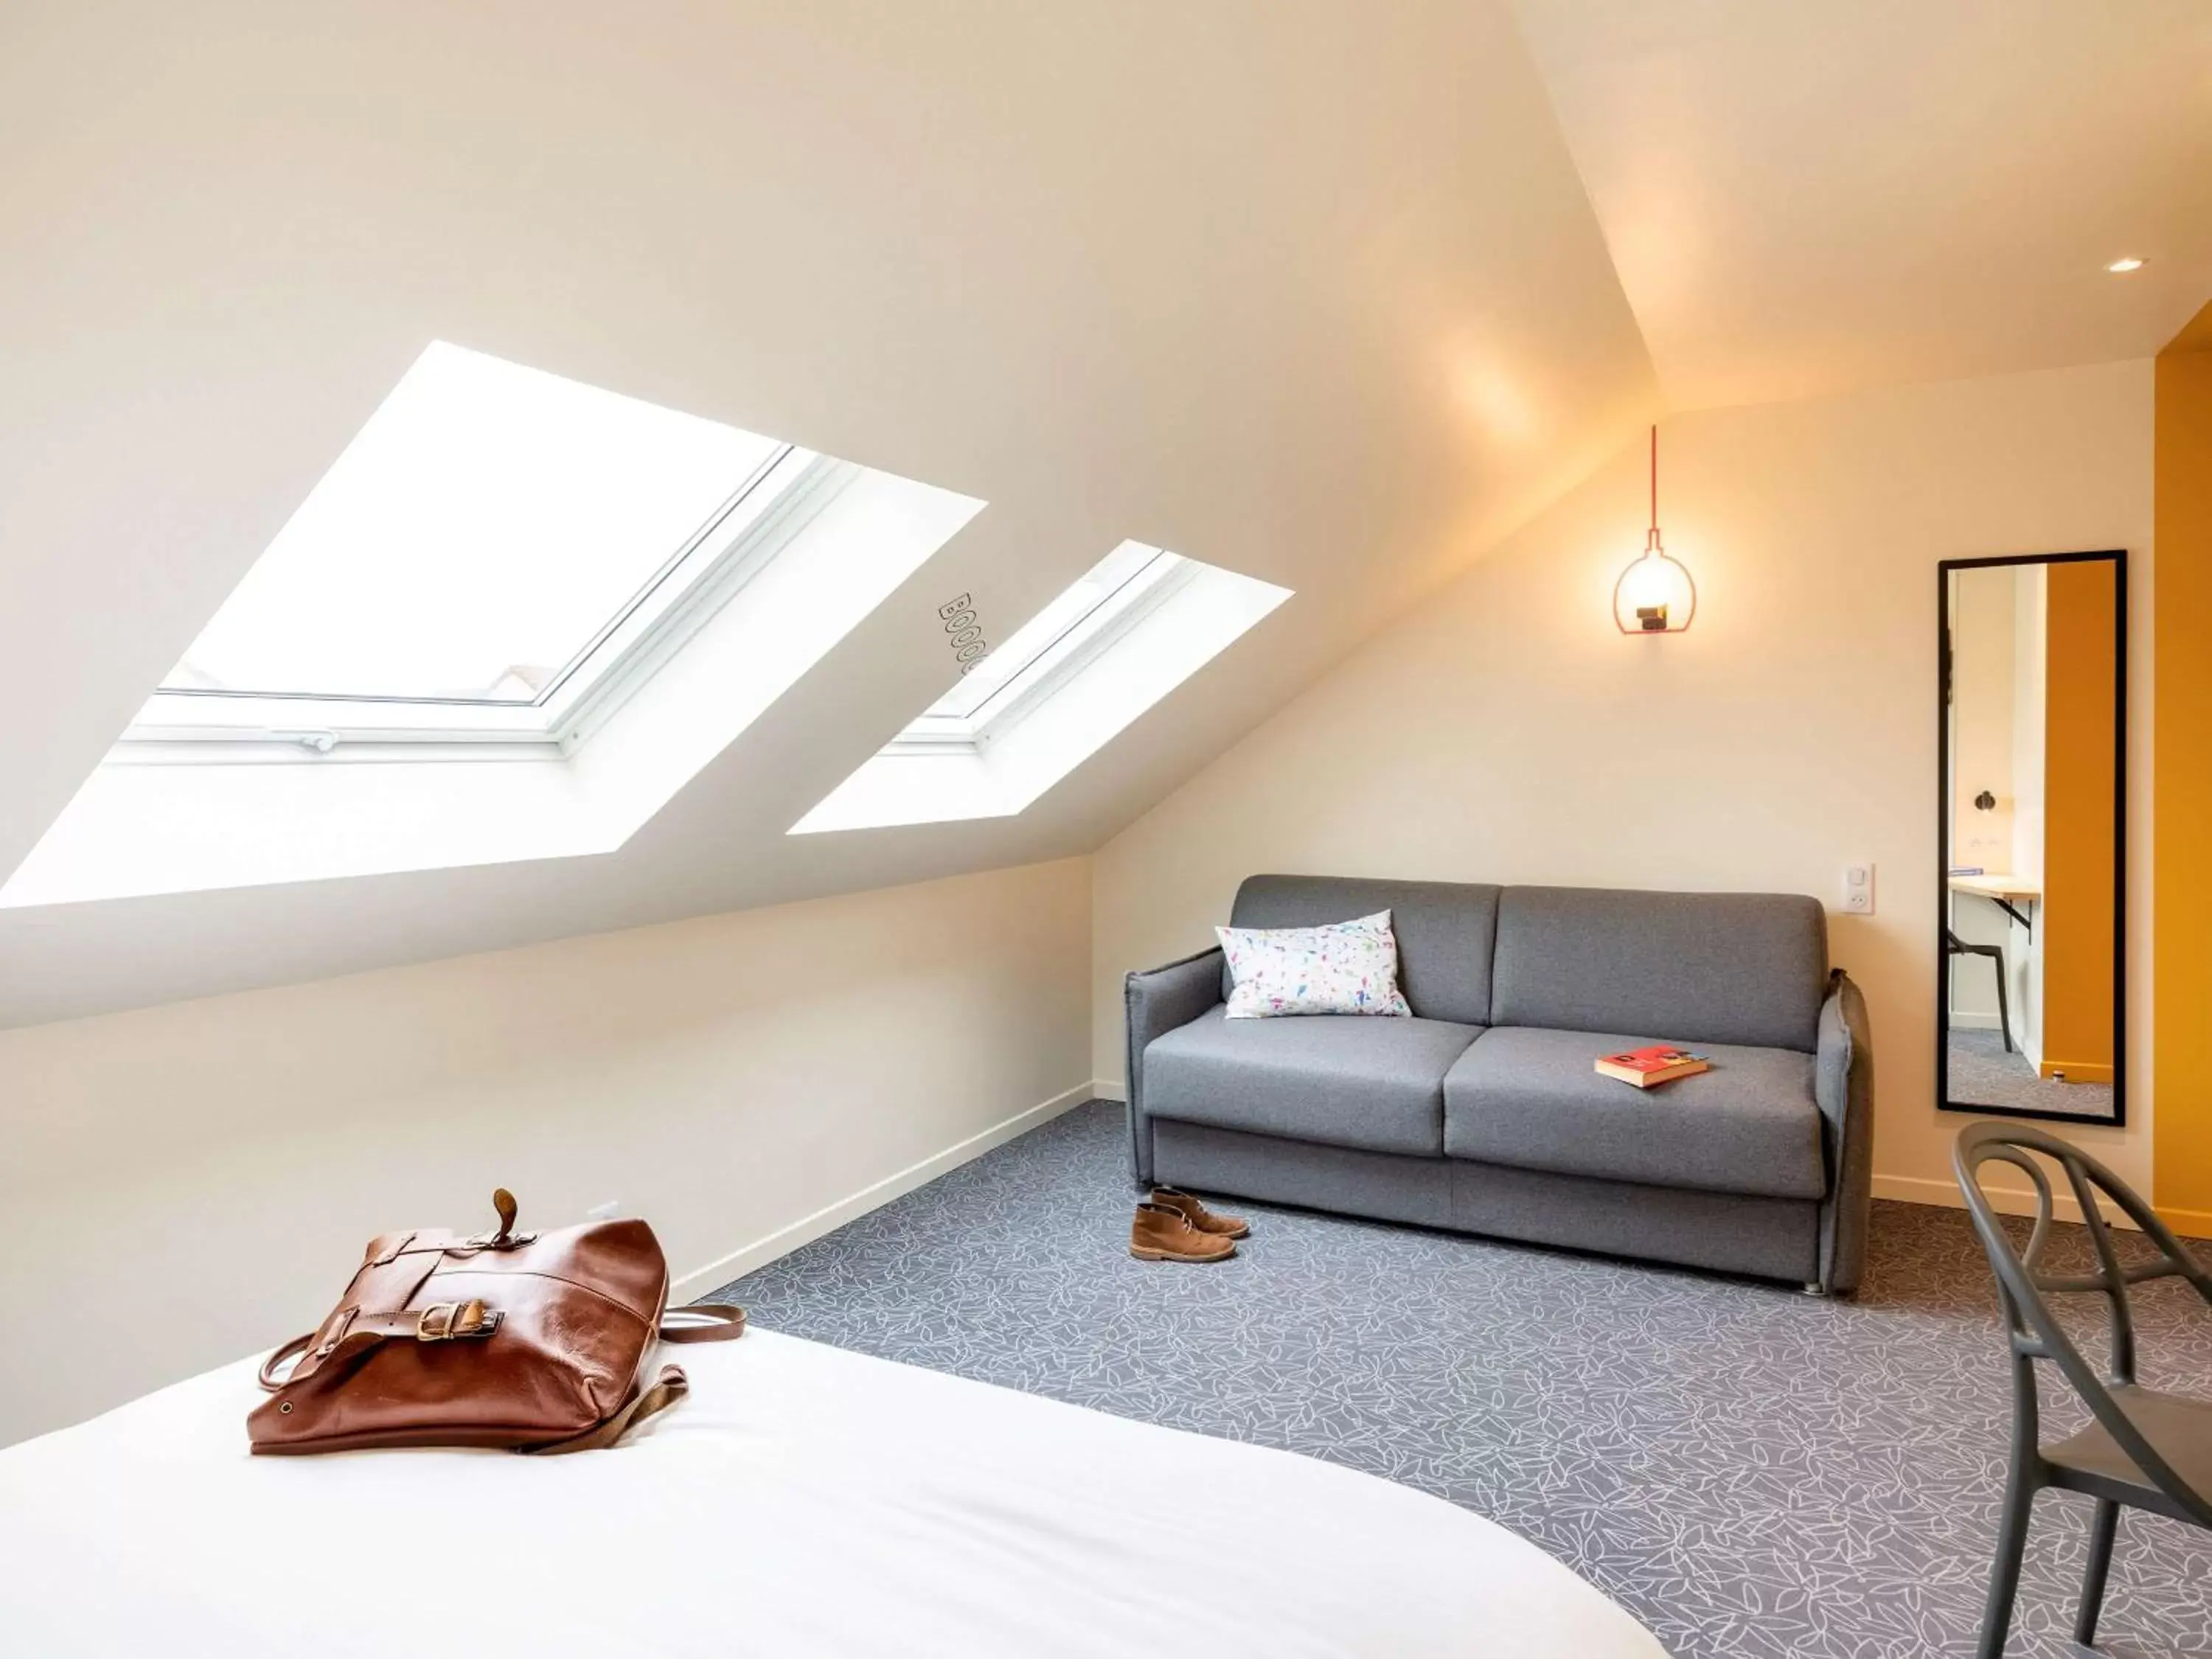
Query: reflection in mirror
(2030, 947)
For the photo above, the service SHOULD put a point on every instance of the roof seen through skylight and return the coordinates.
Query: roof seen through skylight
(482, 532)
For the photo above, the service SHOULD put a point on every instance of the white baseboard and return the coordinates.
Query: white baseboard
(784, 1240)
(1918, 1189)
(1109, 1088)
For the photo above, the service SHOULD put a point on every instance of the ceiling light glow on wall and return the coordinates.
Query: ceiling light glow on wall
(1655, 594)
(2121, 267)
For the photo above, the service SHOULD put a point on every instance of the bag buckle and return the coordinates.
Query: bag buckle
(445, 1321)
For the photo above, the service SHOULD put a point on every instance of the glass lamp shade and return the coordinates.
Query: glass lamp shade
(1655, 594)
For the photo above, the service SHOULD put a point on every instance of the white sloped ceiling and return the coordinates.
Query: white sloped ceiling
(1807, 198)
(1313, 293)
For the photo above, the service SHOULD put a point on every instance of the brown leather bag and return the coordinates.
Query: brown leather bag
(534, 1342)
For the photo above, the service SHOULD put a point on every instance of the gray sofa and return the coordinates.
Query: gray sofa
(1484, 1113)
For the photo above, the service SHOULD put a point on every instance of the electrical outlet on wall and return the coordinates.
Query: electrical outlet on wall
(1858, 889)
(606, 1211)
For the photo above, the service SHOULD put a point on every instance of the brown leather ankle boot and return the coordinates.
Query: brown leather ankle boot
(1161, 1233)
(1221, 1226)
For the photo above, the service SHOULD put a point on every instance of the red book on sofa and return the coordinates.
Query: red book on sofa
(1658, 1064)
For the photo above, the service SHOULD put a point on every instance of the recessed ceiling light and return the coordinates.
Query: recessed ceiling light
(2121, 267)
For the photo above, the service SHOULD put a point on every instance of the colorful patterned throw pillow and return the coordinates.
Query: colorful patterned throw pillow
(1344, 968)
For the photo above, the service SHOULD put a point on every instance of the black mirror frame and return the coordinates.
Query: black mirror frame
(2118, 558)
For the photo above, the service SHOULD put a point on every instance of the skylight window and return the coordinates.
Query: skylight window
(540, 609)
(493, 545)
(1100, 606)
(1123, 636)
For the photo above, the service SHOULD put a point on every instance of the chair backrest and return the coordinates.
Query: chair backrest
(2023, 1281)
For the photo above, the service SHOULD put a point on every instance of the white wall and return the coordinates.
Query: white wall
(2031, 654)
(1983, 682)
(1483, 738)
(185, 1184)
(1997, 719)
(1984, 686)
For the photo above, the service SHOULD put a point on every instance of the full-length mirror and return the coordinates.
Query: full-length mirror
(2030, 940)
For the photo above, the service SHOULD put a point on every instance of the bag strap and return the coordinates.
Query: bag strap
(703, 1322)
(268, 1376)
(671, 1386)
(352, 1330)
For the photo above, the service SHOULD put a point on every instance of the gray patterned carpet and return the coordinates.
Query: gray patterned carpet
(1984, 1074)
(1752, 1471)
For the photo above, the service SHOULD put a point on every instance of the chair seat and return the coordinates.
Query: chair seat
(1366, 1081)
(2177, 1425)
(1534, 1099)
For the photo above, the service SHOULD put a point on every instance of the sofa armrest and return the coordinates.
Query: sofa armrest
(1843, 1084)
(1154, 1002)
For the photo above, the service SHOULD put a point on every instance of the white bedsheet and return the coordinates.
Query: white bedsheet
(804, 1501)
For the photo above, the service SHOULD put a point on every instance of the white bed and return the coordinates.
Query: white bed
(804, 1501)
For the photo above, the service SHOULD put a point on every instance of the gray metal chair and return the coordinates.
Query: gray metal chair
(2145, 1448)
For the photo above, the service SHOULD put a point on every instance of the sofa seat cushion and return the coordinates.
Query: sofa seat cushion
(1341, 1079)
(1533, 1099)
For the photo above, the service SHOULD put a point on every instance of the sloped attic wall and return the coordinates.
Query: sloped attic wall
(745, 1082)
(1310, 293)
(1508, 734)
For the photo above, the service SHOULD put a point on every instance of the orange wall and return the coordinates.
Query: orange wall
(2182, 916)
(2080, 777)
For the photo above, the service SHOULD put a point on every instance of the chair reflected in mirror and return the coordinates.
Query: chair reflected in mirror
(1955, 946)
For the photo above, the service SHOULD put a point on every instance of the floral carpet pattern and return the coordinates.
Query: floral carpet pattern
(1755, 1472)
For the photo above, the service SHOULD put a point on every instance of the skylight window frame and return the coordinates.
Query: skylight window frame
(739, 540)
(1054, 663)
(1066, 700)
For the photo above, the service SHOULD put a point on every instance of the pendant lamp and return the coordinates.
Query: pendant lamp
(1655, 594)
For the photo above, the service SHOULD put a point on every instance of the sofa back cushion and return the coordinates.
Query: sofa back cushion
(1744, 967)
(1446, 930)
